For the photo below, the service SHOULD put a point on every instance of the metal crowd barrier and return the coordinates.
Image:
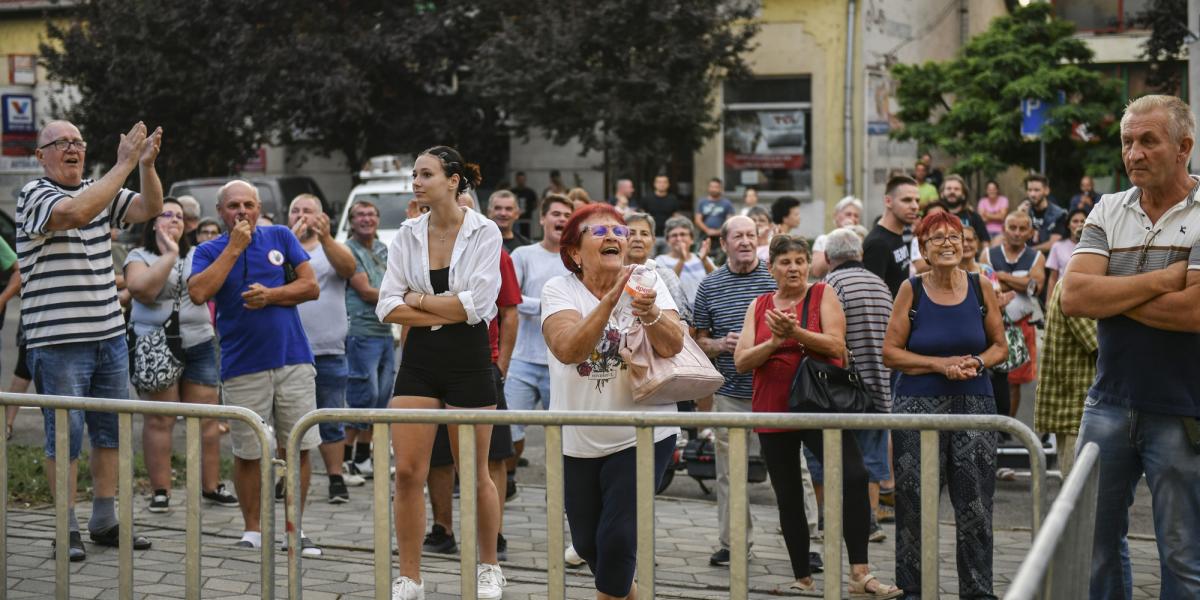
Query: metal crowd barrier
(125, 410)
(738, 423)
(1058, 565)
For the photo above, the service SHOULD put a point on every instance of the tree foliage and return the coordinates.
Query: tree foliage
(370, 76)
(635, 78)
(1167, 22)
(969, 107)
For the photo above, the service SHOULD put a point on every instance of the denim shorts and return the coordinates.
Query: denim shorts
(85, 369)
(331, 393)
(200, 364)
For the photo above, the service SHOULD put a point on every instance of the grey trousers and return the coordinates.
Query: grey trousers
(721, 445)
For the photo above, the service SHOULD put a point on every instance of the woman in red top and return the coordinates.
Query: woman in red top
(772, 344)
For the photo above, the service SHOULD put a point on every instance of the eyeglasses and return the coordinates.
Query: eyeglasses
(170, 214)
(211, 232)
(1144, 254)
(941, 240)
(599, 231)
(65, 145)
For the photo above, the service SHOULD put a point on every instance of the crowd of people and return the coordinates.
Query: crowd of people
(937, 307)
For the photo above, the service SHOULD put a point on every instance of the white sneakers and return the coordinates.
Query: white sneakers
(407, 589)
(490, 582)
(571, 557)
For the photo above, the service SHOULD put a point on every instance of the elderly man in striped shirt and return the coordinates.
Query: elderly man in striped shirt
(69, 309)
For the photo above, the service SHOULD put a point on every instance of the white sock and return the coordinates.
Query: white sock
(254, 537)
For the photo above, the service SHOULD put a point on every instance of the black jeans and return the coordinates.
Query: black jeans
(781, 451)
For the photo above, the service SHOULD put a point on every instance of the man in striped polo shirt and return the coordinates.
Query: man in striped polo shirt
(719, 312)
(1137, 270)
(69, 309)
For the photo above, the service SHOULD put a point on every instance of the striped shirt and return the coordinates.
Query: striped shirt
(1066, 368)
(68, 289)
(867, 302)
(721, 303)
(1142, 367)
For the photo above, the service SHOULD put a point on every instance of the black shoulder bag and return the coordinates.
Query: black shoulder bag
(823, 387)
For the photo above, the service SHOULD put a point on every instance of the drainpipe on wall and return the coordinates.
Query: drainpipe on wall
(848, 105)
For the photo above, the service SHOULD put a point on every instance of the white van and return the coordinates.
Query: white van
(390, 194)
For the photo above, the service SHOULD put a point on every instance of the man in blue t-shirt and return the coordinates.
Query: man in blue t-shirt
(713, 211)
(258, 275)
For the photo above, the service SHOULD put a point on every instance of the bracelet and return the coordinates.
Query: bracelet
(980, 360)
(656, 319)
(421, 303)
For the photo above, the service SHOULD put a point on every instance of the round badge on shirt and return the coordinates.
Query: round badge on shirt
(276, 257)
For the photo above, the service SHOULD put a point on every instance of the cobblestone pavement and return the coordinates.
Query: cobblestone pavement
(685, 536)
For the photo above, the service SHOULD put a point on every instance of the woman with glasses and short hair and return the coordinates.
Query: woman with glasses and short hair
(944, 333)
(582, 330)
(156, 275)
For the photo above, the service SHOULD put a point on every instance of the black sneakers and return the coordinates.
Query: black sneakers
(160, 502)
(440, 541)
(338, 494)
(220, 497)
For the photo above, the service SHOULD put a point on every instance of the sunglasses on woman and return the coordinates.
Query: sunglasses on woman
(600, 231)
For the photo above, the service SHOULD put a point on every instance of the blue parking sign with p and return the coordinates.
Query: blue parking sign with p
(1033, 117)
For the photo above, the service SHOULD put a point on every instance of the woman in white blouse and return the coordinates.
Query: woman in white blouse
(442, 280)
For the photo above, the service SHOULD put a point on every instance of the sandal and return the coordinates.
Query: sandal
(799, 586)
(882, 591)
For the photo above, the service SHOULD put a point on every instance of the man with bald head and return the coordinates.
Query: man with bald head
(258, 275)
(719, 311)
(69, 308)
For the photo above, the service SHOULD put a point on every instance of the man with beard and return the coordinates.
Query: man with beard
(528, 380)
(505, 212)
(885, 250)
(1049, 219)
(954, 196)
(326, 325)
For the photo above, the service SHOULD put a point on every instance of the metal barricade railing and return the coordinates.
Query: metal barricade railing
(125, 410)
(644, 422)
(1058, 565)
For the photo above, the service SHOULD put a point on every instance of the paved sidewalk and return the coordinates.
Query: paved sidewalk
(685, 536)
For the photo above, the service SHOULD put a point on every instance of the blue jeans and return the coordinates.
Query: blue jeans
(85, 369)
(372, 373)
(331, 393)
(1132, 443)
(527, 384)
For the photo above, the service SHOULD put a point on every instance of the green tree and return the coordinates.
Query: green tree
(631, 78)
(969, 107)
(1164, 49)
(182, 65)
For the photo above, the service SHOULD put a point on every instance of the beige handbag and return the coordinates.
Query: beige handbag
(656, 380)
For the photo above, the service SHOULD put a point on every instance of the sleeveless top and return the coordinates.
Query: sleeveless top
(773, 379)
(431, 349)
(1001, 263)
(941, 330)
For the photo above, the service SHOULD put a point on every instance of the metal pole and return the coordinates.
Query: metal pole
(381, 439)
(1041, 156)
(125, 492)
(194, 485)
(738, 540)
(848, 104)
(645, 512)
(1193, 25)
(4, 518)
(555, 538)
(833, 512)
(931, 491)
(468, 510)
(294, 515)
(63, 501)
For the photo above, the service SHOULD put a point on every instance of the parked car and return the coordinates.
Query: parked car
(391, 196)
(274, 191)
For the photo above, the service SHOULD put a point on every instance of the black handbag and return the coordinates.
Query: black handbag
(822, 387)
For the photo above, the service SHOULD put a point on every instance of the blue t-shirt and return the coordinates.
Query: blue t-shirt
(715, 212)
(270, 337)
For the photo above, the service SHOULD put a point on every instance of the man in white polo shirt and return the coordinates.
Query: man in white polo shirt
(1137, 270)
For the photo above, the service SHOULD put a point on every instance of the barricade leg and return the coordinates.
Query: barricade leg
(468, 504)
(382, 512)
(645, 511)
(555, 538)
(125, 514)
(194, 485)
(739, 545)
(62, 495)
(832, 443)
(930, 496)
